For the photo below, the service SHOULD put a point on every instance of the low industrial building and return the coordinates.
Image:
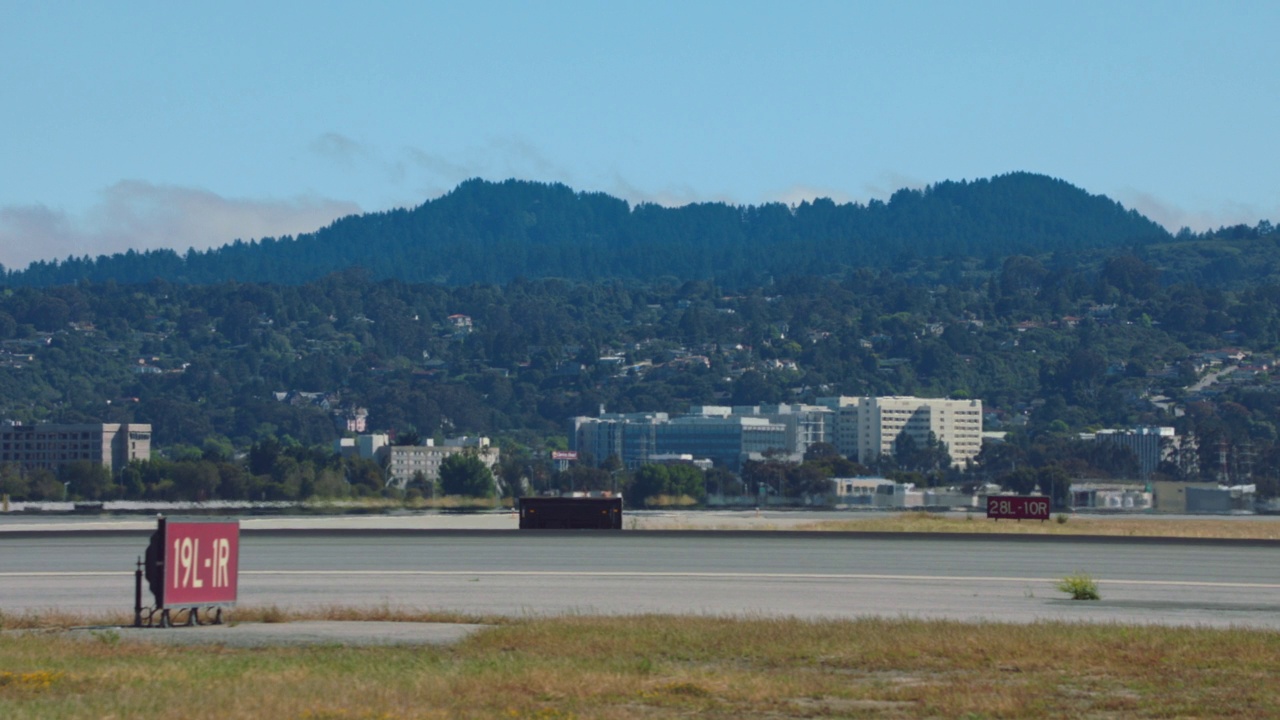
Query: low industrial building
(1222, 499)
(1182, 497)
(875, 492)
(1125, 497)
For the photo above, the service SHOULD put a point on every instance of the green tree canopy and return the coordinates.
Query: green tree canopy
(465, 474)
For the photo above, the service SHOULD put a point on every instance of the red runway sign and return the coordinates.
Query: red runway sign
(1016, 507)
(201, 562)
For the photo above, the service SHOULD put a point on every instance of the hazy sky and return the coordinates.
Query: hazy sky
(144, 125)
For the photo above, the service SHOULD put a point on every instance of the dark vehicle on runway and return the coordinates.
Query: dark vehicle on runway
(570, 513)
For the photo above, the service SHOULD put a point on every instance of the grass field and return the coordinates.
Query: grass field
(1241, 528)
(657, 667)
(1233, 528)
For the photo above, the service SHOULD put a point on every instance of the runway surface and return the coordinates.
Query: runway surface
(807, 575)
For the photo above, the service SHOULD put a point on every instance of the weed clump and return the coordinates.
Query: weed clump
(1080, 587)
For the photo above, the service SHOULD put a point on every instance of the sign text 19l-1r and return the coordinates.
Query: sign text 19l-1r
(1016, 507)
(201, 562)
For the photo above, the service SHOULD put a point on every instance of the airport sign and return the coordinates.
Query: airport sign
(1018, 507)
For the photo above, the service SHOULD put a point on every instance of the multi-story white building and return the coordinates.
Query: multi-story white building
(403, 463)
(868, 427)
(113, 445)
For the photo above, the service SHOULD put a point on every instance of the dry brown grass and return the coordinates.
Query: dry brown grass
(343, 613)
(446, 502)
(1234, 528)
(59, 620)
(54, 619)
(657, 666)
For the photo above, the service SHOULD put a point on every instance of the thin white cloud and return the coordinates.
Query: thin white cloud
(138, 215)
(339, 148)
(432, 173)
(520, 157)
(889, 182)
(33, 232)
(424, 174)
(797, 194)
(440, 166)
(1174, 218)
(670, 196)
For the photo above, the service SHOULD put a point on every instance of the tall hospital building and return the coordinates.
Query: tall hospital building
(861, 427)
(866, 427)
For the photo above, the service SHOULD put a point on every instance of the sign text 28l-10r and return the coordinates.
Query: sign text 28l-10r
(1014, 507)
(201, 562)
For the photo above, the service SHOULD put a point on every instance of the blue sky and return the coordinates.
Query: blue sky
(143, 125)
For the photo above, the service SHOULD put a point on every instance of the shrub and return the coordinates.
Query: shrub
(1080, 587)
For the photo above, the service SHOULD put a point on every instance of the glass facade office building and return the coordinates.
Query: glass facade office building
(726, 436)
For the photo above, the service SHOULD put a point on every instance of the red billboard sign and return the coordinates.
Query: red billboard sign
(1018, 507)
(201, 561)
(564, 455)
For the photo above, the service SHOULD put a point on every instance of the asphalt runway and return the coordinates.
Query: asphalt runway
(810, 575)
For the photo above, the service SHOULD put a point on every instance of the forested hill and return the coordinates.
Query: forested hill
(493, 232)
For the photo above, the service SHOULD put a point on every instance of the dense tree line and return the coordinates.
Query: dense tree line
(486, 232)
(270, 471)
